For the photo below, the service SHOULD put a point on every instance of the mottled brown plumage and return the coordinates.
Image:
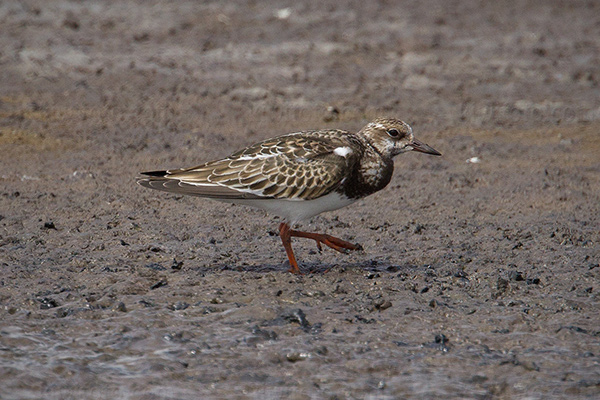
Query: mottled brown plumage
(299, 175)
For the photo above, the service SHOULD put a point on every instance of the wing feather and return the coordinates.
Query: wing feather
(295, 166)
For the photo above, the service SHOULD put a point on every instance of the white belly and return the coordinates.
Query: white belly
(298, 210)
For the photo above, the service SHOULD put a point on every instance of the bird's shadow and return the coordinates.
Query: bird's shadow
(311, 268)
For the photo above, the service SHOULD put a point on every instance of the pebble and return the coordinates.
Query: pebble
(49, 225)
(382, 305)
(296, 356)
(120, 306)
(180, 305)
(162, 282)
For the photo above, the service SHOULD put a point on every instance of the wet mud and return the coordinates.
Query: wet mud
(479, 274)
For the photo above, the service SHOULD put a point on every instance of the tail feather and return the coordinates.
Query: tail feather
(159, 181)
(156, 173)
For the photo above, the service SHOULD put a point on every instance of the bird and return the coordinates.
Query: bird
(299, 175)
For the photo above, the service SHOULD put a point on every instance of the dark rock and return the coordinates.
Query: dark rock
(71, 21)
(47, 303)
(442, 342)
(296, 356)
(501, 285)
(477, 379)
(120, 307)
(146, 303)
(461, 274)
(155, 267)
(180, 305)
(515, 276)
(381, 305)
(296, 316)
(162, 282)
(49, 225)
(176, 265)
(364, 320)
(264, 334)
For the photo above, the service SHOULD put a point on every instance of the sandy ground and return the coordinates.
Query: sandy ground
(478, 280)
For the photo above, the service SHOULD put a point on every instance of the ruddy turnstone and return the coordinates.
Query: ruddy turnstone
(299, 175)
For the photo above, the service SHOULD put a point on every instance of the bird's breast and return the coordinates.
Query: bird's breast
(372, 175)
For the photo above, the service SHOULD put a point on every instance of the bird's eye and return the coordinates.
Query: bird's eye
(393, 132)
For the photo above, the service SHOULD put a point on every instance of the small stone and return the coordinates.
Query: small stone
(47, 303)
(441, 338)
(264, 334)
(120, 307)
(516, 276)
(442, 342)
(155, 267)
(298, 316)
(332, 114)
(146, 303)
(371, 275)
(62, 312)
(162, 282)
(176, 265)
(71, 21)
(49, 225)
(252, 340)
(529, 365)
(461, 274)
(382, 305)
(502, 285)
(478, 379)
(316, 293)
(141, 37)
(180, 305)
(296, 356)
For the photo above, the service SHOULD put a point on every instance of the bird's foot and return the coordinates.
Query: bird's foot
(330, 241)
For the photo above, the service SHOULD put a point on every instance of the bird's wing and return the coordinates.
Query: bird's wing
(300, 166)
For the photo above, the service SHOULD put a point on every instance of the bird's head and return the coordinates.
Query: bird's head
(391, 137)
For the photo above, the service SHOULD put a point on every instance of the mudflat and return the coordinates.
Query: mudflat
(479, 277)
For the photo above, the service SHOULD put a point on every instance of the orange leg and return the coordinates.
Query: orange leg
(286, 233)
